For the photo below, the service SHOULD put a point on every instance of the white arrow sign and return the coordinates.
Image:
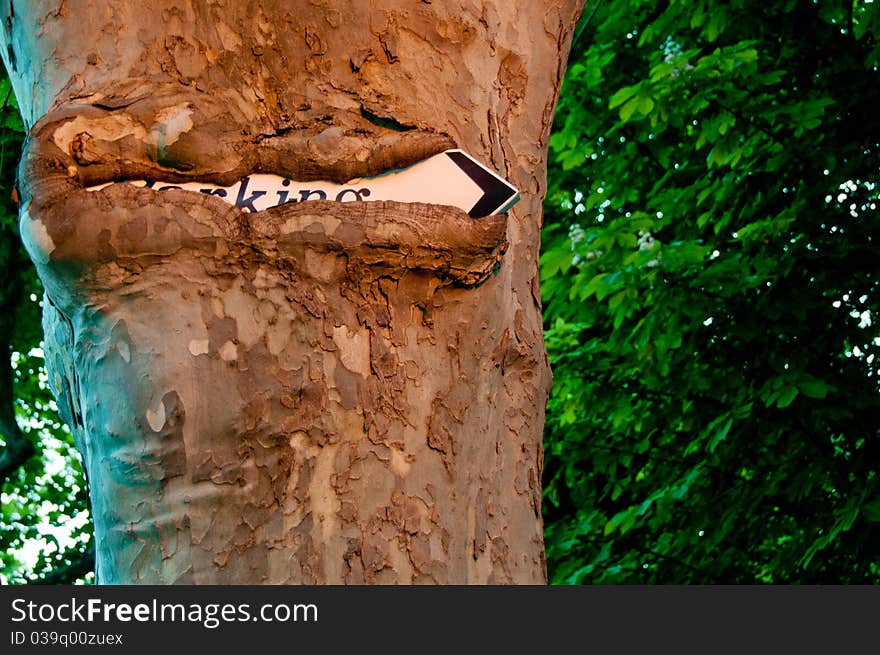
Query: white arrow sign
(449, 178)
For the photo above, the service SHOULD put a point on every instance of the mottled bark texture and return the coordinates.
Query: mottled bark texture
(319, 392)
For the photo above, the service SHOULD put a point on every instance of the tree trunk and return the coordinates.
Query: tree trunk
(319, 392)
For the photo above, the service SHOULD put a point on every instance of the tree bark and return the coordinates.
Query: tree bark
(319, 392)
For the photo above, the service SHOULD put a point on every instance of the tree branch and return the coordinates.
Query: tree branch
(81, 564)
(18, 448)
(583, 25)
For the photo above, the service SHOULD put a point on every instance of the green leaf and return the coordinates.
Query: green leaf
(556, 260)
(629, 109)
(871, 510)
(786, 397)
(622, 96)
(813, 388)
(720, 435)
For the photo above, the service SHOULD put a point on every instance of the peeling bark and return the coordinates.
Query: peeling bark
(319, 392)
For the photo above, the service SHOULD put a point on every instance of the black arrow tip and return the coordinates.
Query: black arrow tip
(497, 193)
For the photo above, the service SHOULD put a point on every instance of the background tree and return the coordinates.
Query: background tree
(710, 278)
(44, 493)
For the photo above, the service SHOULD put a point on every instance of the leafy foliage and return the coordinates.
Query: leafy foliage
(710, 286)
